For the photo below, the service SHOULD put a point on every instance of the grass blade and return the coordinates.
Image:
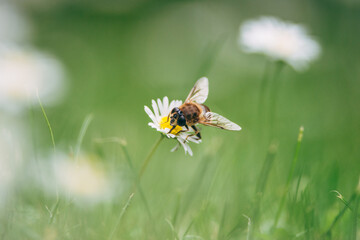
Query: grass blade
(123, 144)
(261, 183)
(172, 229)
(120, 216)
(291, 172)
(249, 227)
(47, 120)
(340, 214)
(82, 133)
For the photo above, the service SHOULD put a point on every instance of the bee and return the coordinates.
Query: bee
(193, 111)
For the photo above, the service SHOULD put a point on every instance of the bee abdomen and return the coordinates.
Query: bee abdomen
(191, 113)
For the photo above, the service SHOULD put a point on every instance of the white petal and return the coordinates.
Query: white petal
(153, 125)
(156, 110)
(183, 144)
(189, 150)
(151, 114)
(175, 148)
(194, 139)
(166, 109)
(178, 103)
(172, 105)
(161, 107)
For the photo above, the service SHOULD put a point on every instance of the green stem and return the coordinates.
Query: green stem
(263, 86)
(148, 158)
(274, 97)
(291, 172)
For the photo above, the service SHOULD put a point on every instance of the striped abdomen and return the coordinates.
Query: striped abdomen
(193, 112)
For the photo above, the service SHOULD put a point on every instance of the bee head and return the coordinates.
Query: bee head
(177, 117)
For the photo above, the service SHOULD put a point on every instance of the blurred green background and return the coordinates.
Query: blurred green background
(119, 55)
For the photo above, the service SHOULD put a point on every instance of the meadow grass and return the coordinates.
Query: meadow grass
(265, 182)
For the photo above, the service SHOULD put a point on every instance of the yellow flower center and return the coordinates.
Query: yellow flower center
(165, 123)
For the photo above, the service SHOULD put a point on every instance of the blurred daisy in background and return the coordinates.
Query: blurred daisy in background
(13, 25)
(161, 122)
(11, 158)
(25, 72)
(83, 180)
(279, 40)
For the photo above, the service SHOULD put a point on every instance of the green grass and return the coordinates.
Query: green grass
(237, 185)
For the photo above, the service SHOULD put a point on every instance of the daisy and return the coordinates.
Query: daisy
(24, 73)
(161, 122)
(83, 179)
(13, 26)
(279, 40)
(11, 157)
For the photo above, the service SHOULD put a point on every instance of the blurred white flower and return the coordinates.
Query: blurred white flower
(24, 72)
(13, 26)
(279, 40)
(161, 123)
(83, 180)
(11, 156)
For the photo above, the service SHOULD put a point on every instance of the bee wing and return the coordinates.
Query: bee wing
(216, 120)
(199, 92)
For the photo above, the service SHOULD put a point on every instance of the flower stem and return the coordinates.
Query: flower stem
(262, 92)
(274, 97)
(148, 158)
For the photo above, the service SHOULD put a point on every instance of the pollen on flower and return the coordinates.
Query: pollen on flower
(165, 123)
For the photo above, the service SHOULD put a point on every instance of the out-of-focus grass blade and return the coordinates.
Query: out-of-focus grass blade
(249, 227)
(289, 178)
(340, 214)
(47, 120)
(82, 133)
(355, 217)
(120, 216)
(222, 223)
(172, 229)
(54, 211)
(261, 183)
(188, 229)
(209, 55)
(177, 209)
(196, 182)
(123, 144)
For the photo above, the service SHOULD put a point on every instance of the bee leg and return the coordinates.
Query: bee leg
(197, 132)
(171, 129)
(187, 129)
